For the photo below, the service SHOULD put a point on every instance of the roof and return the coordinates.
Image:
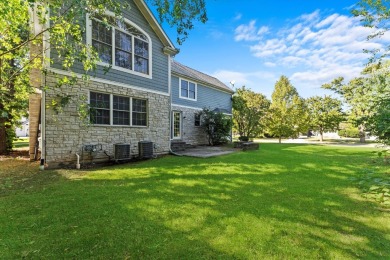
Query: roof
(182, 70)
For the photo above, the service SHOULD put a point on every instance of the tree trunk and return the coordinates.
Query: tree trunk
(362, 133)
(3, 137)
(280, 139)
(321, 136)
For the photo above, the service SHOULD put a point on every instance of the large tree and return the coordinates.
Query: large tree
(287, 115)
(249, 110)
(325, 113)
(357, 95)
(375, 14)
(19, 34)
(368, 99)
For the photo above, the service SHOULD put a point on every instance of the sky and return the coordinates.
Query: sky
(254, 42)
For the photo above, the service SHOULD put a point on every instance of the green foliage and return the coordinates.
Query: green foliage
(368, 98)
(14, 68)
(351, 132)
(249, 110)
(181, 14)
(217, 126)
(325, 113)
(287, 115)
(374, 14)
(375, 187)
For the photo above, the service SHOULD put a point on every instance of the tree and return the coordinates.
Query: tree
(217, 126)
(287, 115)
(357, 95)
(375, 14)
(368, 98)
(22, 42)
(325, 113)
(249, 110)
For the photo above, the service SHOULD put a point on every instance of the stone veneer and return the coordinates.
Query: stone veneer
(191, 134)
(66, 134)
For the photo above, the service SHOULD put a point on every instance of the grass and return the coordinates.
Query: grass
(283, 201)
(21, 142)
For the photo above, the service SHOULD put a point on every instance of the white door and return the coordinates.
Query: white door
(176, 125)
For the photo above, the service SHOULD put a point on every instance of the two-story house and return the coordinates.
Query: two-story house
(145, 96)
(191, 91)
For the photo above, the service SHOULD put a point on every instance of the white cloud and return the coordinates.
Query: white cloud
(317, 48)
(249, 79)
(250, 32)
(237, 17)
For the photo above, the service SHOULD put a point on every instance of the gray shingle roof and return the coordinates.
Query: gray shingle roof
(182, 70)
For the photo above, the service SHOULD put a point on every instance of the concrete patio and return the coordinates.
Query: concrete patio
(207, 151)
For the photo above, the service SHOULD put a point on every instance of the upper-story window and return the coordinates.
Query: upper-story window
(187, 89)
(121, 44)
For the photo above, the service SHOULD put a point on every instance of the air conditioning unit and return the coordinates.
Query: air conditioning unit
(145, 149)
(122, 152)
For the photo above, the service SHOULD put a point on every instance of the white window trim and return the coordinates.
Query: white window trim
(196, 90)
(113, 66)
(112, 110)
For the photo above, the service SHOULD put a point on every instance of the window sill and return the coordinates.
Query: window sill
(191, 99)
(149, 76)
(124, 126)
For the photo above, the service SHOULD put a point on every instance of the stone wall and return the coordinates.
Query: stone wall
(191, 134)
(67, 134)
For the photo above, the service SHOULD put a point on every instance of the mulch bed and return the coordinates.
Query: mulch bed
(20, 154)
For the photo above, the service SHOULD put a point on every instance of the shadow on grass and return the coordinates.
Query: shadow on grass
(285, 201)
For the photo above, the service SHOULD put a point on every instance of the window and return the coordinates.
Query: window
(197, 119)
(107, 109)
(139, 112)
(120, 44)
(187, 89)
(100, 108)
(121, 110)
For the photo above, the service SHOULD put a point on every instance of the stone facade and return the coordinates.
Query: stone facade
(66, 134)
(191, 134)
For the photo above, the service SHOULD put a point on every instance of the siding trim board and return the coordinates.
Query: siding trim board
(105, 81)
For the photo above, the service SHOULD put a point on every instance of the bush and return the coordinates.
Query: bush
(349, 132)
(217, 126)
(243, 138)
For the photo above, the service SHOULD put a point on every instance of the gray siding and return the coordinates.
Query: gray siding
(206, 97)
(159, 81)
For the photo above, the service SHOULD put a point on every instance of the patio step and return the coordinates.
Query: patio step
(178, 146)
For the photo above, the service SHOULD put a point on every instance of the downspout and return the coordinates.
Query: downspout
(170, 103)
(43, 130)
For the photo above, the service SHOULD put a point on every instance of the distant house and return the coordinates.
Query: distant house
(144, 97)
(23, 130)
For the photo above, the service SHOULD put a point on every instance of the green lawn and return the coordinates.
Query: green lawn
(284, 201)
(21, 142)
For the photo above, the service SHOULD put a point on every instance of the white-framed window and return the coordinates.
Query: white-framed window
(188, 89)
(109, 109)
(121, 44)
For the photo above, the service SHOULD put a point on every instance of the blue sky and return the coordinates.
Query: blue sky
(254, 42)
